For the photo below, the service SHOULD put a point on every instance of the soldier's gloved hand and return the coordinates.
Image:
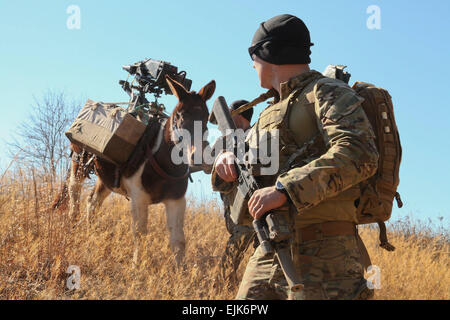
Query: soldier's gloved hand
(225, 167)
(264, 200)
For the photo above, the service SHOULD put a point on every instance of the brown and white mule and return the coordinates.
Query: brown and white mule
(151, 176)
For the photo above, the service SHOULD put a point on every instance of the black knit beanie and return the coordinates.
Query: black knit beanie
(247, 114)
(283, 39)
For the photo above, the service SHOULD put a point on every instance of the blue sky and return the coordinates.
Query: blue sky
(209, 39)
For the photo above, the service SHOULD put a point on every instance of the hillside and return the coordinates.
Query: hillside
(37, 246)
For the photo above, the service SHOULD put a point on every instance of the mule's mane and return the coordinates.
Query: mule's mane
(169, 124)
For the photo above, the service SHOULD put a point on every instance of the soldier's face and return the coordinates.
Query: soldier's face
(241, 122)
(264, 71)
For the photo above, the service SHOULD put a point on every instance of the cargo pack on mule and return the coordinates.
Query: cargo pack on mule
(106, 130)
(378, 192)
(112, 132)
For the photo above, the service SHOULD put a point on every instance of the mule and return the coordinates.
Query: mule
(151, 176)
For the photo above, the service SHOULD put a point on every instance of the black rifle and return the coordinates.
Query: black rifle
(273, 229)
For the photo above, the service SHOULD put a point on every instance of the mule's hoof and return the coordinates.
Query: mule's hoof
(179, 259)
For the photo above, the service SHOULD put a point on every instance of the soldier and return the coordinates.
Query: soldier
(326, 147)
(240, 235)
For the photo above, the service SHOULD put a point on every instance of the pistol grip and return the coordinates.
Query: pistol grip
(264, 242)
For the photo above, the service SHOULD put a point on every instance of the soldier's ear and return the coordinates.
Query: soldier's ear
(177, 88)
(208, 90)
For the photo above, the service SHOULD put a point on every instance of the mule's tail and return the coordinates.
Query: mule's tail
(62, 198)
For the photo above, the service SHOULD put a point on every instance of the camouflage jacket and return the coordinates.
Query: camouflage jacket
(320, 186)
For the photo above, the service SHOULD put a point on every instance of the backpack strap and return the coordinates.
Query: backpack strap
(384, 243)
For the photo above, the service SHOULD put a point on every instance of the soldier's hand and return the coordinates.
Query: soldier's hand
(264, 200)
(225, 166)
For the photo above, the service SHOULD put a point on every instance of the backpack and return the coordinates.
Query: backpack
(379, 191)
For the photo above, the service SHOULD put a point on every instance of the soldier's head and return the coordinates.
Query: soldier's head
(242, 121)
(281, 45)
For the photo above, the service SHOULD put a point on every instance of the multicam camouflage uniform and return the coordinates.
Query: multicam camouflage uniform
(326, 148)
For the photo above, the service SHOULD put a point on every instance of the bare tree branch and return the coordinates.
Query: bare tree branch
(40, 139)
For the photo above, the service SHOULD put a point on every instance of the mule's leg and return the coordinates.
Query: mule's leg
(96, 198)
(175, 220)
(139, 213)
(140, 201)
(75, 183)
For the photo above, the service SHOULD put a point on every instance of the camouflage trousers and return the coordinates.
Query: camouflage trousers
(329, 268)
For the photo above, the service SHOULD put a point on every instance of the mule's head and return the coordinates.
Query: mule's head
(189, 119)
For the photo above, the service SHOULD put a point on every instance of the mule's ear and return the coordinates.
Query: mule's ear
(207, 91)
(177, 88)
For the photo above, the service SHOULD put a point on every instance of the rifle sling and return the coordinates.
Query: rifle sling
(263, 97)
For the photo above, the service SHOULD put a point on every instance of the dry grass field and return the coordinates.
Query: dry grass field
(37, 246)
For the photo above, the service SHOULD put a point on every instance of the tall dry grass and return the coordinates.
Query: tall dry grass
(38, 245)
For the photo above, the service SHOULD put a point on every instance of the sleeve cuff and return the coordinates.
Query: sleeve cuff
(293, 197)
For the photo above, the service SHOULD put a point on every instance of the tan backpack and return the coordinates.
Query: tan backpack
(379, 191)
